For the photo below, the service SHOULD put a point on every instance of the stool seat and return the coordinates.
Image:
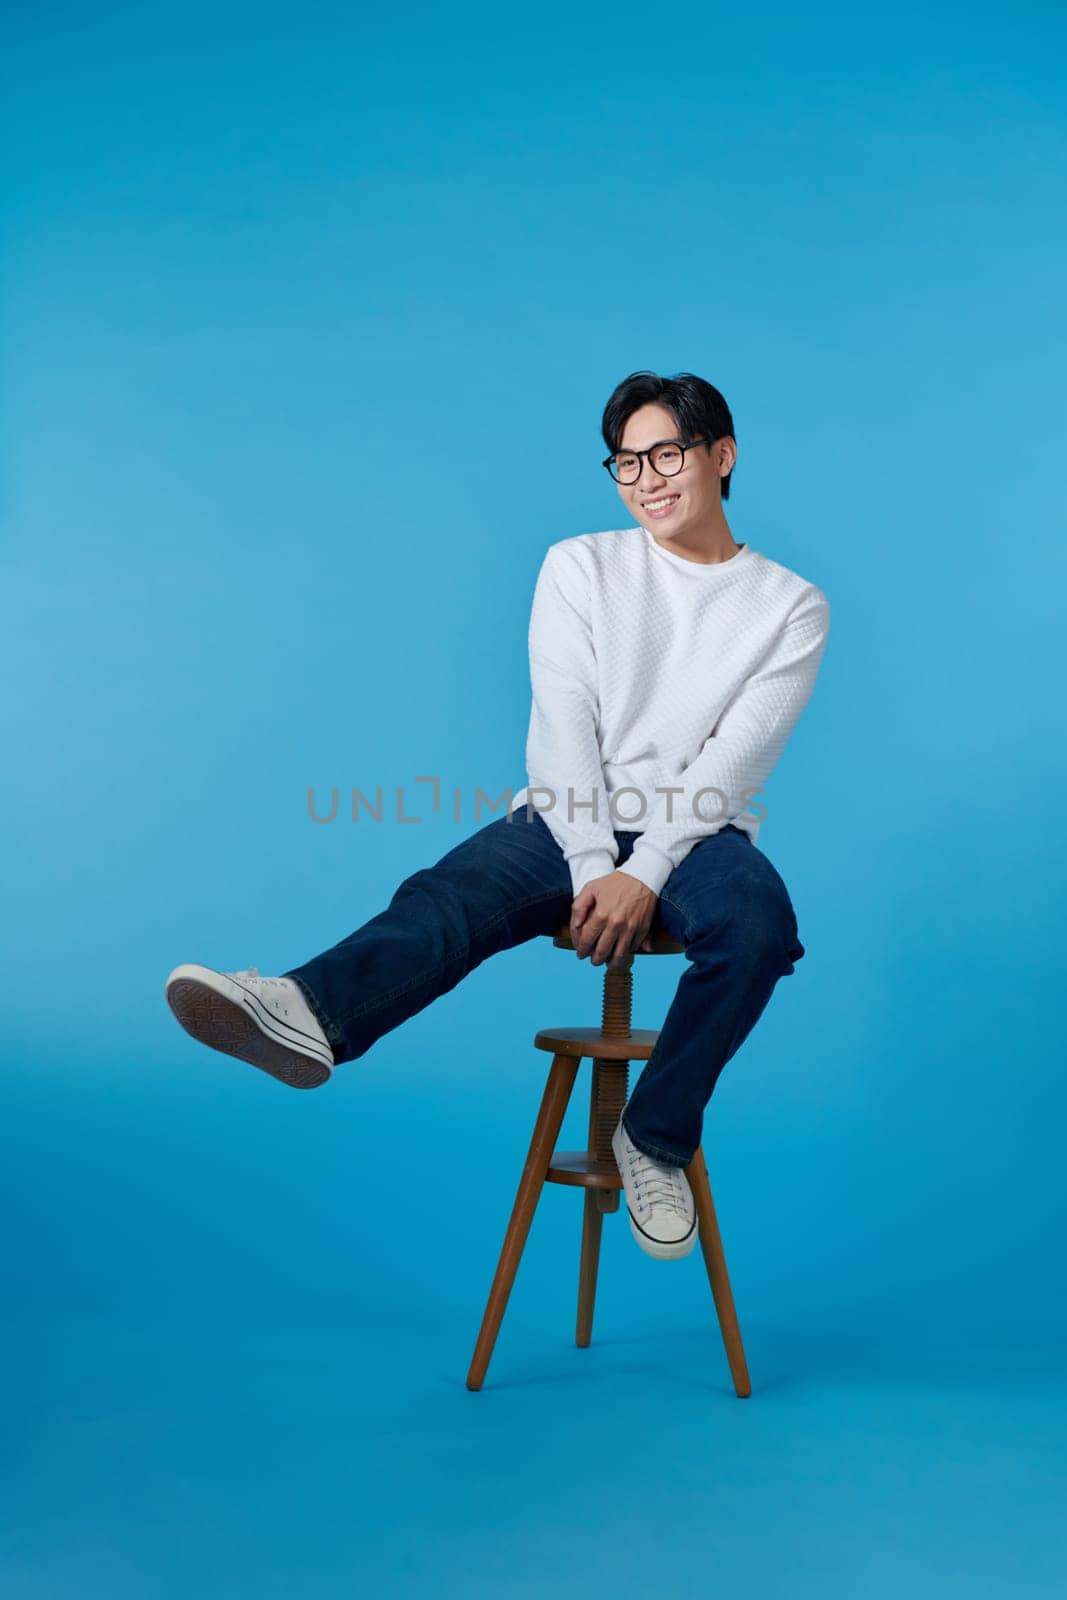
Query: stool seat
(662, 944)
(633, 1046)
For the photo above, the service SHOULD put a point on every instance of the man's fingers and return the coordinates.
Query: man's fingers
(601, 947)
(614, 948)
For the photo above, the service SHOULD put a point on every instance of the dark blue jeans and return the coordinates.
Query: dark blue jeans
(508, 883)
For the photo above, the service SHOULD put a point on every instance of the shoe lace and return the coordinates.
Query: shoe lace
(661, 1185)
(253, 972)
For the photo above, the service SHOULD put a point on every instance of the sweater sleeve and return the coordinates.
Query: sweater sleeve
(562, 747)
(740, 754)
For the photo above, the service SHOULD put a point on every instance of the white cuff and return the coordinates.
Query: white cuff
(649, 865)
(589, 864)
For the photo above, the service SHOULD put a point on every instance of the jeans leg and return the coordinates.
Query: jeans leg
(503, 885)
(728, 906)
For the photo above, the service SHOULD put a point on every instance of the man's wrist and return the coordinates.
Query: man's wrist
(649, 865)
(587, 865)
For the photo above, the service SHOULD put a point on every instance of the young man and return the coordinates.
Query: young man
(669, 665)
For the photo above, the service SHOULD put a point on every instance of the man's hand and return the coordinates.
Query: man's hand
(610, 919)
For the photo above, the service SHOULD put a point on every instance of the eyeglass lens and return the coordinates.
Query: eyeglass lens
(665, 458)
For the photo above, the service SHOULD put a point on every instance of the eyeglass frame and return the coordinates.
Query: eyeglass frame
(606, 463)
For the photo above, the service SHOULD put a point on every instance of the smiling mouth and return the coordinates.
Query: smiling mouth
(661, 507)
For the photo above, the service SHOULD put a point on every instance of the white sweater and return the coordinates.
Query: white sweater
(651, 672)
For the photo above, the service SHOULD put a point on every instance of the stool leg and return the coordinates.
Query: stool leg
(610, 1087)
(542, 1146)
(607, 1096)
(592, 1226)
(715, 1261)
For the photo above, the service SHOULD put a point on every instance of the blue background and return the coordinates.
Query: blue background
(309, 318)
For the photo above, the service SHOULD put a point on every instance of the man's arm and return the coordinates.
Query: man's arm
(740, 755)
(562, 747)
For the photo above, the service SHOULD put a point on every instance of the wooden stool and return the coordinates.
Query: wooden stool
(611, 1047)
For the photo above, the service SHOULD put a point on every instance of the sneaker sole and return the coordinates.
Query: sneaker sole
(218, 1012)
(663, 1250)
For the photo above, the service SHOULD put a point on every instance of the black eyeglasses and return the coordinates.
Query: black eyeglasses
(666, 456)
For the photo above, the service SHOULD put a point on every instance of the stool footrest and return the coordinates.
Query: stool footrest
(633, 1046)
(583, 1168)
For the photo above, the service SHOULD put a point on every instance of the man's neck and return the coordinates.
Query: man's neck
(704, 546)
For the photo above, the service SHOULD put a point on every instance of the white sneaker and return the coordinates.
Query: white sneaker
(266, 1021)
(663, 1216)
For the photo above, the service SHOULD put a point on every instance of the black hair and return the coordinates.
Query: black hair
(699, 410)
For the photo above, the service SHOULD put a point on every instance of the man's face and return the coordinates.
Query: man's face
(694, 494)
